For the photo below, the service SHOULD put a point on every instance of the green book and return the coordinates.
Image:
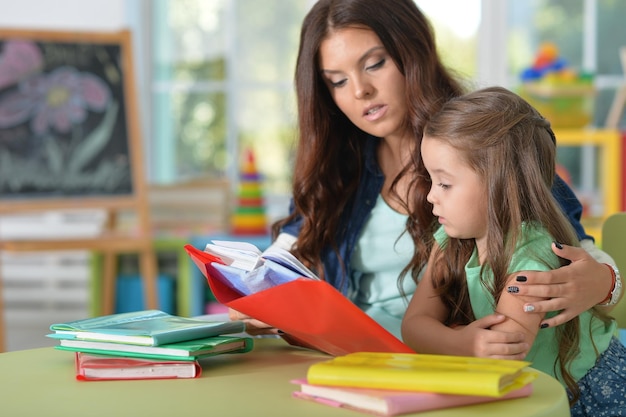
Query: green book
(189, 350)
(146, 328)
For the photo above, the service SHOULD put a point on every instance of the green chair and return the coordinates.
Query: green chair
(614, 243)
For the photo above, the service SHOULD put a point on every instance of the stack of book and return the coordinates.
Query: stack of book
(148, 344)
(390, 384)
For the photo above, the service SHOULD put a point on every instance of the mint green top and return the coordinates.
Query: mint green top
(382, 251)
(534, 246)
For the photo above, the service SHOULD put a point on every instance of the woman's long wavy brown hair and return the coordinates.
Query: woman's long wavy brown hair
(329, 155)
(509, 144)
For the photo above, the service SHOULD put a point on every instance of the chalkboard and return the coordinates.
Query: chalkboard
(70, 139)
(67, 118)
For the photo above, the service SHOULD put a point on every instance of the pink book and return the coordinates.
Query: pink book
(93, 367)
(392, 403)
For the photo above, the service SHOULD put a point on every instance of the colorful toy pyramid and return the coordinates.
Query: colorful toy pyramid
(249, 217)
(549, 67)
(563, 95)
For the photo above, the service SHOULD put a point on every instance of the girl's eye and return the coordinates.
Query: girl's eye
(443, 186)
(377, 65)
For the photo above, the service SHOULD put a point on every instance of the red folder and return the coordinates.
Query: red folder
(312, 312)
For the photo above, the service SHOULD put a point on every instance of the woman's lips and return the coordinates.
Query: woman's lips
(375, 112)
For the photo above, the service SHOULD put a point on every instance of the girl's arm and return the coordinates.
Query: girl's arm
(422, 325)
(517, 320)
(423, 329)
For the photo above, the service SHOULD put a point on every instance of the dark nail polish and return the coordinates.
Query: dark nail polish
(513, 289)
(521, 278)
(280, 332)
(544, 325)
(558, 245)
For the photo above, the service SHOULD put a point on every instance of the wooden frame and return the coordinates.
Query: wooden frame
(609, 142)
(617, 107)
(100, 146)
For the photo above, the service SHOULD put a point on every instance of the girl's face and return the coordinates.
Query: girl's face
(364, 81)
(457, 192)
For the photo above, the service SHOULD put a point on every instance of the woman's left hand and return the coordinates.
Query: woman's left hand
(571, 289)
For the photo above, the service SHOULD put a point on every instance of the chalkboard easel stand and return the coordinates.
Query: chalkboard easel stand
(110, 243)
(103, 62)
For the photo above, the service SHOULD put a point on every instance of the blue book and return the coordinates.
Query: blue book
(146, 328)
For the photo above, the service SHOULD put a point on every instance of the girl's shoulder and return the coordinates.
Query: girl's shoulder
(532, 234)
(533, 249)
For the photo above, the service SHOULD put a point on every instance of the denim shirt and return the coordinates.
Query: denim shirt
(358, 210)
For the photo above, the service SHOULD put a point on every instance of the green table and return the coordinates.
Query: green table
(41, 382)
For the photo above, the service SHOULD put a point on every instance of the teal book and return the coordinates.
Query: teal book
(146, 328)
(189, 350)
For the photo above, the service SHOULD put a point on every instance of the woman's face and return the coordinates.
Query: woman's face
(364, 81)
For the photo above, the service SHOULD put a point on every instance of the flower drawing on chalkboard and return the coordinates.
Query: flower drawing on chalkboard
(18, 59)
(58, 100)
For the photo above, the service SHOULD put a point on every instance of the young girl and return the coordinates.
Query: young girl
(491, 161)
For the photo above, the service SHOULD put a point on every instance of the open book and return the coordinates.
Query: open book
(249, 270)
(305, 309)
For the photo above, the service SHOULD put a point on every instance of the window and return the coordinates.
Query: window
(222, 81)
(456, 33)
(221, 75)
(222, 70)
(588, 35)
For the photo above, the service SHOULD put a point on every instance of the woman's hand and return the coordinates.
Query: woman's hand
(258, 328)
(253, 327)
(571, 289)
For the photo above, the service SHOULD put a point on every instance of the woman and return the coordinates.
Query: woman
(367, 78)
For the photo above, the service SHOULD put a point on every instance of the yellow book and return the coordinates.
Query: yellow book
(420, 372)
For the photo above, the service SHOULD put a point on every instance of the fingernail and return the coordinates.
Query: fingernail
(558, 245)
(529, 308)
(521, 278)
(280, 332)
(513, 289)
(544, 325)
